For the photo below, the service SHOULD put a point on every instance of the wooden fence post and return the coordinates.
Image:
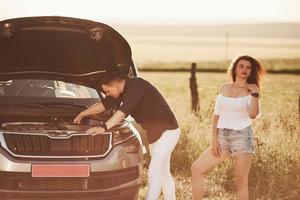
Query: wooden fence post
(194, 89)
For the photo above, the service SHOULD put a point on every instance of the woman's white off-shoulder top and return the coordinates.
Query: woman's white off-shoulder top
(233, 112)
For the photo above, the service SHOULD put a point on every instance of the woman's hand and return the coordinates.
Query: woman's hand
(215, 148)
(253, 88)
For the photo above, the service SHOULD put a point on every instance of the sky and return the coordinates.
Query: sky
(158, 11)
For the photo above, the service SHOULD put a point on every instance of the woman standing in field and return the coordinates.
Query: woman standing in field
(236, 104)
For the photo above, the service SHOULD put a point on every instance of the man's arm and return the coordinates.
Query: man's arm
(117, 117)
(92, 110)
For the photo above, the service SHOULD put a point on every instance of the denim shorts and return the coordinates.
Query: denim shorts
(237, 141)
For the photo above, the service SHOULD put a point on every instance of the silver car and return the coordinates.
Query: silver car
(50, 68)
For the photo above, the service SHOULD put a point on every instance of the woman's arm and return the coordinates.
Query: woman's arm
(215, 147)
(254, 102)
(214, 126)
(254, 107)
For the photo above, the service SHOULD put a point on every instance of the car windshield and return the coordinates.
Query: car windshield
(45, 88)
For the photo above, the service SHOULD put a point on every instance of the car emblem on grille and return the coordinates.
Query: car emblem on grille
(59, 134)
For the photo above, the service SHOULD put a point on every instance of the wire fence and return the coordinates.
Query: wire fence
(195, 90)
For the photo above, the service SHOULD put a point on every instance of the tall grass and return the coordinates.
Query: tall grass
(275, 170)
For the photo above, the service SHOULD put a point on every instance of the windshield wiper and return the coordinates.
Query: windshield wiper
(62, 103)
(32, 105)
(43, 105)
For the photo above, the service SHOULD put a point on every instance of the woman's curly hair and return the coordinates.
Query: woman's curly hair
(257, 70)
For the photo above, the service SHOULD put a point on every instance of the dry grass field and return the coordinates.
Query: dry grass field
(275, 172)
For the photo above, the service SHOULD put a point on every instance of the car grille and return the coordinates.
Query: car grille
(42, 145)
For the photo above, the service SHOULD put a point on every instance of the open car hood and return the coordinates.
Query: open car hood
(61, 48)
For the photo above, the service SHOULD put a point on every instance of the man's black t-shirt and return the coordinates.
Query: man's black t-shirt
(146, 105)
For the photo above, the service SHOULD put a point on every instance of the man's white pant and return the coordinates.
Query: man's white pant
(159, 175)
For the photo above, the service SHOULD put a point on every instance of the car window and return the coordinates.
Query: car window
(45, 88)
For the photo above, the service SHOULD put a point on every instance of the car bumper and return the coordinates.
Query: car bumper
(128, 193)
(117, 176)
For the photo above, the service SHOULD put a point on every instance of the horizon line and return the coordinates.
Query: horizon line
(173, 21)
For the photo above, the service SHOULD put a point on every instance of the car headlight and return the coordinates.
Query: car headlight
(123, 135)
(133, 146)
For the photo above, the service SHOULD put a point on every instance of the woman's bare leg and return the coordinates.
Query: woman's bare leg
(205, 162)
(242, 166)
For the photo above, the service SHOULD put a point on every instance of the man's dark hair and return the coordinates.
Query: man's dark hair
(119, 72)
